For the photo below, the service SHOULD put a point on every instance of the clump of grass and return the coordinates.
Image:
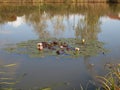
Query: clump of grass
(112, 80)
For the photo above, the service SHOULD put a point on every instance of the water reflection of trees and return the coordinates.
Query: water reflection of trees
(38, 21)
(39, 15)
(112, 1)
(89, 27)
(9, 13)
(91, 19)
(114, 8)
(86, 30)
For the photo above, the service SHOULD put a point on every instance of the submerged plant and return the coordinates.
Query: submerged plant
(7, 79)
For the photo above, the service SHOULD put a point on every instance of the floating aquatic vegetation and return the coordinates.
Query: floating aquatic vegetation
(65, 47)
(46, 88)
(55, 86)
(6, 89)
(10, 65)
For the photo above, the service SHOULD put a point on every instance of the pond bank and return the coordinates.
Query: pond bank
(60, 1)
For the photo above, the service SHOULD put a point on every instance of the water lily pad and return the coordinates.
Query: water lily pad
(53, 47)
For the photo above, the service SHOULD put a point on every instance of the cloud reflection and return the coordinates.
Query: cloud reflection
(105, 19)
(18, 22)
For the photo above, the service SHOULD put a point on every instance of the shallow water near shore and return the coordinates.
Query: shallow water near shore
(32, 22)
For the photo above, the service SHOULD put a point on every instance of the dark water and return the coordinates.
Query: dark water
(19, 23)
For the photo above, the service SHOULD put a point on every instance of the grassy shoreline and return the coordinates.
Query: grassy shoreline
(60, 1)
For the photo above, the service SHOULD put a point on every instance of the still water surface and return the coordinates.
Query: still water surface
(99, 22)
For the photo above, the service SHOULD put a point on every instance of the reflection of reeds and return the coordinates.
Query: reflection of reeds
(112, 80)
(7, 81)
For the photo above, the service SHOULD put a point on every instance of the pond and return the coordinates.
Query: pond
(29, 24)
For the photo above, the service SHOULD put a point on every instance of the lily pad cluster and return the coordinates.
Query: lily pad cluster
(64, 47)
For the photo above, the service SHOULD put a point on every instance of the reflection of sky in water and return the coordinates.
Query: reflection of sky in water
(69, 23)
(20, 21)
(110, 31)
(16, 31)
(110, 35)
(19, 30)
